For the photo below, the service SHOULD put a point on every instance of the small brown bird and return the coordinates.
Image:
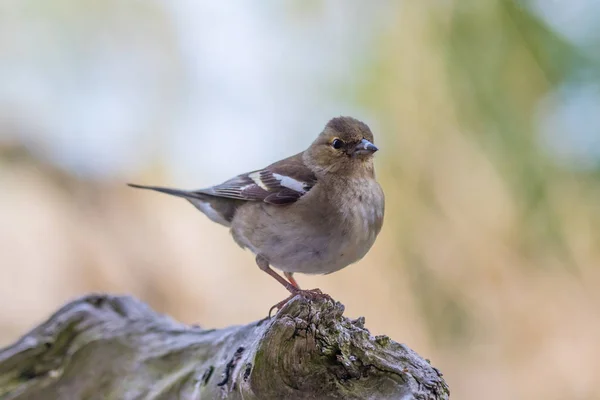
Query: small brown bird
(315, 212)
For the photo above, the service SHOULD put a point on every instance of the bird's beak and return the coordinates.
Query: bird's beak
(364, 147)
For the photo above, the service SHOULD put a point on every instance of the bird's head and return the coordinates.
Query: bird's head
(345, 147)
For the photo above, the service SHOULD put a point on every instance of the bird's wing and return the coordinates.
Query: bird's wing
(280, 183)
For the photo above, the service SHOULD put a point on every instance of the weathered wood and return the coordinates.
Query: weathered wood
(108, 347)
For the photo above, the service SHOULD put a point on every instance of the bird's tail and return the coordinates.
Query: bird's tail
(218, 209)
(174, 192)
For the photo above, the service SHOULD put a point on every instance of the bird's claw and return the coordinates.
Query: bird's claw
(311, 294)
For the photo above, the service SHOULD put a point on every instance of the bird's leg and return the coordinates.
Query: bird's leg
(291, 286)
(263, 264)
(290, 277)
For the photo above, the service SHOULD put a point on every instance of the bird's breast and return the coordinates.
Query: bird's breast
(362, 209)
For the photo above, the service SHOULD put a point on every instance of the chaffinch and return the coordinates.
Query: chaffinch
(315, 212)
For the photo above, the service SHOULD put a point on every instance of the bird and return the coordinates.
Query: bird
(315, 212)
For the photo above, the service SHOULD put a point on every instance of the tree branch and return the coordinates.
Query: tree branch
(107, 347)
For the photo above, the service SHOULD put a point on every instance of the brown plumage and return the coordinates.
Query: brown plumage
(315, 212)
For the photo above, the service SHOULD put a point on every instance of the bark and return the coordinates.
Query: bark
(108, 347)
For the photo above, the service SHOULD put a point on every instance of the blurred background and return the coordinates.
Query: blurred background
(487, 114)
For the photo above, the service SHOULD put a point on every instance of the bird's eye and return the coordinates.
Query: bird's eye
(337, 143)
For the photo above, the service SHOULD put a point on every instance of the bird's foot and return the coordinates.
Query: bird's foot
(311, 294)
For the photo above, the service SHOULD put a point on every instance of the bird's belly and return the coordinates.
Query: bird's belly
(316, 255)
(311, 253)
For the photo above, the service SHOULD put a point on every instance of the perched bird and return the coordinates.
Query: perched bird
(315, 212)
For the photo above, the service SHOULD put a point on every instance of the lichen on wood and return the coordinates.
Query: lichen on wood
(109, 347)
